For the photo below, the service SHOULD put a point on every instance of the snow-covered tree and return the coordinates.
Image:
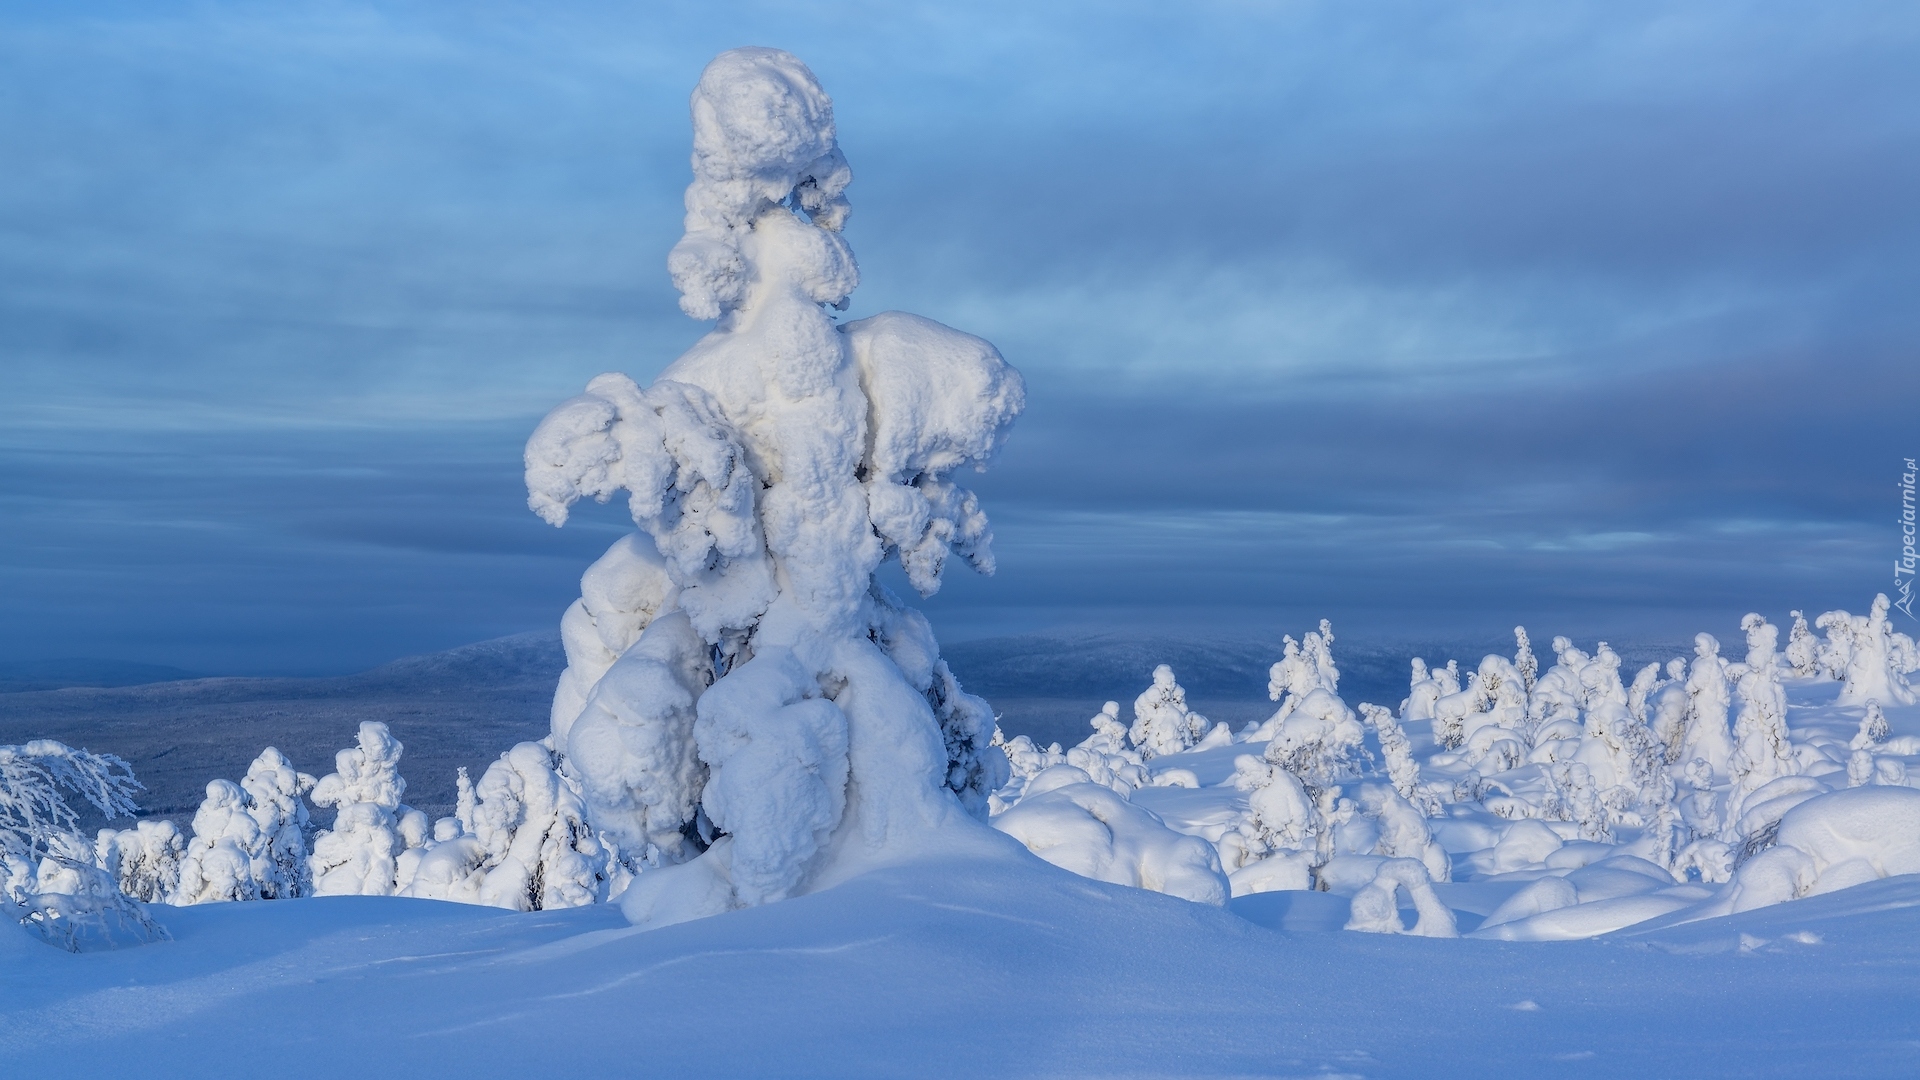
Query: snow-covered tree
(1280, 813)
(1422, 691)
(249, 839)
(1397, 751)
(227, 856)
(145, 860)
(1558, 694)
(1871, 673)
(1313, 732)
(1162, 723)
(48, 879)
(1803, 649)
(370, 827)
(1375, 909)
(1110, 734)
(540, 852)
(1106, 757)
(1873, 728)
(275, 791)
(1707, 734)
(1645, 682)
(1524, 661)
(1319, 741)
(743, 694)
(1668, 707)
(1835, 651)
(1763, 750)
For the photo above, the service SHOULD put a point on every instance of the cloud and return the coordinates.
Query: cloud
(1594, 313)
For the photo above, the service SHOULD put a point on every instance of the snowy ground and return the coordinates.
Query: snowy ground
(968, 969)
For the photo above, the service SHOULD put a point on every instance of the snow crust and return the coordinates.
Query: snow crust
(961, 967)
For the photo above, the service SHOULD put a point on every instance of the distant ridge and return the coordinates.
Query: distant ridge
(461, 707)
(22, 675)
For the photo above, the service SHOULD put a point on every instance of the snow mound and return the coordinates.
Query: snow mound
(1088, 829)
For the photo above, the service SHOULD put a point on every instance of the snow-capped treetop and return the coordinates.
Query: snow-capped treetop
(1109, 733)
(1162, 723)
(762, 134)
(1317, 647)
(366, 773)
(1762, 640)
(1523, 659)
(1836, 648)
(1600, 678)
(274, 792)
(32, 777)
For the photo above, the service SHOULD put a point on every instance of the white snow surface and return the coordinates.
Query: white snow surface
(969, 967)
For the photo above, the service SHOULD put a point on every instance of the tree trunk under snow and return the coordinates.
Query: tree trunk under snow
(748, 713)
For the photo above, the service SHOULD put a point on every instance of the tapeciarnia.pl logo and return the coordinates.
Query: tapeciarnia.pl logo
(1903, 566)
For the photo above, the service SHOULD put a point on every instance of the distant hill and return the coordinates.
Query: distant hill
(460, 707)
(23, 675)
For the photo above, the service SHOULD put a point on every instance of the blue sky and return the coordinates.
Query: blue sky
(1427, 318)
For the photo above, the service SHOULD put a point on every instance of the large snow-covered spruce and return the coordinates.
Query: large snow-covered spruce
(746, 708)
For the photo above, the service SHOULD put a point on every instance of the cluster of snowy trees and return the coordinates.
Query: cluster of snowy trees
(1689, 773)
(1291, 817)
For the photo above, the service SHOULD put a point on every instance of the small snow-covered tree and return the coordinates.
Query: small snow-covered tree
(1319, 741)
(540, 851)
(1106, 757)
(47, 874)
(227, 856)
(1162, 723)
(1402, 770)
(1558, 694)
(1668, 708)
(1280, 815)
(1860, 768)
(1803, 649)
(275, 791)
(249, 839)
(1645, 681)
(1376, 911)
(356, 856)
(1317, 648)
(1707, 735)
(145, 860)
(1422, 691)
(1763, 750)
(1109, 731)
(1571, 796)
(739, 664)
(1524, 661)
(1871, 673)
(1873, 728)
(1835, 651)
